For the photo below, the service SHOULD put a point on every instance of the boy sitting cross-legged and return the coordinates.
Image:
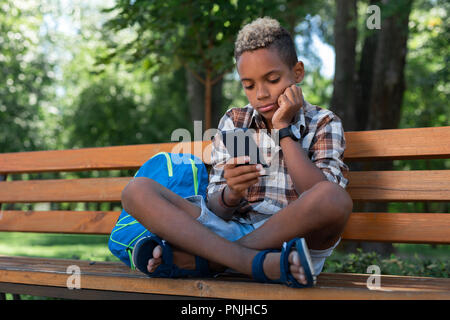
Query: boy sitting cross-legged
(278, 227)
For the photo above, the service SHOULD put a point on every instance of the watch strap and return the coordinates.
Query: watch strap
(284, 132)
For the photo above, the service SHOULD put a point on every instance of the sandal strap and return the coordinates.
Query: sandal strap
(257, 267)
(167, 269)
(309, 268)
(284, 262)
(286, 276)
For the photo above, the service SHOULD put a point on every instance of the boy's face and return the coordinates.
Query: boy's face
(264, 77)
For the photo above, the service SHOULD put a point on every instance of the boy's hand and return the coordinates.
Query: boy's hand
(240, 178)
(290, 102)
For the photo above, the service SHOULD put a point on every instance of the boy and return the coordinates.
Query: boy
(248, 215)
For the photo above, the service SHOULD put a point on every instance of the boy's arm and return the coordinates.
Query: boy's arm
(303, 172)
(216, 203)
(327, 148)
(216, 175)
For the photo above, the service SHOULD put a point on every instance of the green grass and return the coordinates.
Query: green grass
(95, 247)
(66, 246)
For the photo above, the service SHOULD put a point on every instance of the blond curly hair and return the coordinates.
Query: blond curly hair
(266, 33)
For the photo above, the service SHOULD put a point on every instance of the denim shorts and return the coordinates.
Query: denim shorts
(233, 230)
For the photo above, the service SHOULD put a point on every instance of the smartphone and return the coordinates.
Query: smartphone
(239, 142)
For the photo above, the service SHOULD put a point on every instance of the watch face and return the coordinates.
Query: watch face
(295, 131)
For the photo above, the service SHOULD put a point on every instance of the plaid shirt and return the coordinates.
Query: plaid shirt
(322, 137)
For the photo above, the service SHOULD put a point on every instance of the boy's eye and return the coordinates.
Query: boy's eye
(274, 80)
(249, 87)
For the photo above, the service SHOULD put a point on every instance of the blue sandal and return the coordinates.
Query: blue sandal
(143, 251)
(298, 244)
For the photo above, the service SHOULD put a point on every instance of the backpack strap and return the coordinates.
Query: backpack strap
(194, 174)
(169, 162)
(170, 169)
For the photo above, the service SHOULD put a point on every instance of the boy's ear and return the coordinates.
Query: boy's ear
(299, 71)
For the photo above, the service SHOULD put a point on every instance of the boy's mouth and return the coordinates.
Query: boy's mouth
(267, 108)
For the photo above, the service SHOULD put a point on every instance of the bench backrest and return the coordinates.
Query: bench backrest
(365, 186)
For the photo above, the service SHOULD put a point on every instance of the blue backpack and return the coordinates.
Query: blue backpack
(184, 174)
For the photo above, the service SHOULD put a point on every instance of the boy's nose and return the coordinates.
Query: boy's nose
(262, 93)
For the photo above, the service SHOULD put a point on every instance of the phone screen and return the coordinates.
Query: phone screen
(240, 142)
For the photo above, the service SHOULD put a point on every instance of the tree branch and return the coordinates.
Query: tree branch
(195, 74)
(219, 77)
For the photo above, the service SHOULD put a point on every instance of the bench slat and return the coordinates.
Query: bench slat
(419, 185)
(389, 227)
(398, 227)
(432, 185)
(415, 143)
(117, 277)
(104, 158)
(64, 190)
(60, 221)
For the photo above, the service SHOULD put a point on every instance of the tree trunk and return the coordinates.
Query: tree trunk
(374, 101)
(217, 103)
(197, 99)
(208, 102)
(344, 85)
(364, 80)
(343, 99)
(387, 88)
(388, 83)
(195, 90)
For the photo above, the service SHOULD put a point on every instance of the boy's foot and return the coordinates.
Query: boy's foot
(271, 264)
(180, 258)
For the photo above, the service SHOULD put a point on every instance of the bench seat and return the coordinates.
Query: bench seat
(107, 278)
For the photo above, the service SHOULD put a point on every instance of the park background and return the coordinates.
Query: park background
(76, 74)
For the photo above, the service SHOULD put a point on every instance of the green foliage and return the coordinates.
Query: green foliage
(171, 34)
(411, 266)
(427, 74)
(48, 78)
(353, 262)
(113, 114)
(104, 105)
(25, 79)
(197, 34)
(317, 89)
(107, 114)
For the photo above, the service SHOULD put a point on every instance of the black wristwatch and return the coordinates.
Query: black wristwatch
(291, 131)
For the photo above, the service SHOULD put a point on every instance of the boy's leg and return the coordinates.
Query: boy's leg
(319, 215)
(174, 219)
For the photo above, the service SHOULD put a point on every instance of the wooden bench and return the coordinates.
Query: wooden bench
(48, 277)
